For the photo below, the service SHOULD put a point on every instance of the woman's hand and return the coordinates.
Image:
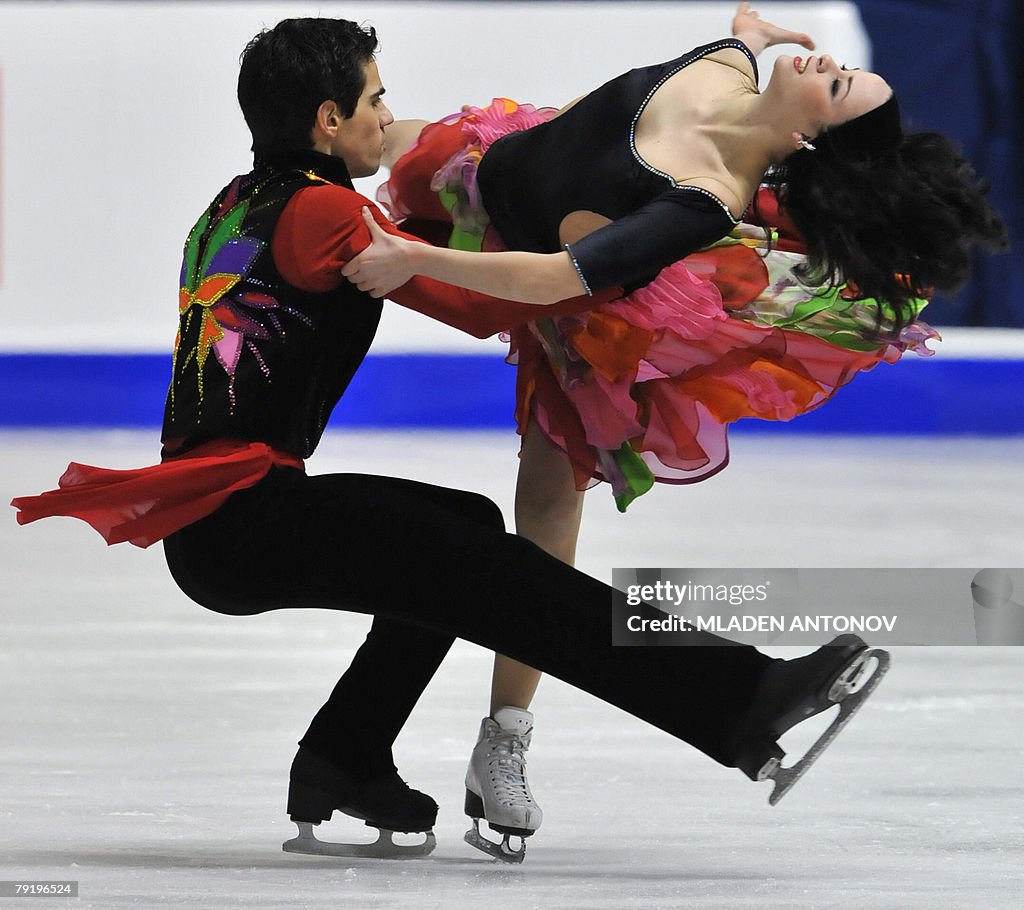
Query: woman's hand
(386, 264)
(757, 34)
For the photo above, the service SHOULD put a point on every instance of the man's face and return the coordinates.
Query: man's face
(360, 138)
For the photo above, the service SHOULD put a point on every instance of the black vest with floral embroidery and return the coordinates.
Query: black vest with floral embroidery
(257, 359)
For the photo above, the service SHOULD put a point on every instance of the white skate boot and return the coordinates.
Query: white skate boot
(496, 786)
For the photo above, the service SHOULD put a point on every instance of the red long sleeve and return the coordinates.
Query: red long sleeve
(322, 227)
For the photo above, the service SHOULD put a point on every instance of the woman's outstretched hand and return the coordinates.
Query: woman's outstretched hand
(757, 34)
(384, 265)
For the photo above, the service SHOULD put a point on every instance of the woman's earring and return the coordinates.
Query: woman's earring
(805, 143)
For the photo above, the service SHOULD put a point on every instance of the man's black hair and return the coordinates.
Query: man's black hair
(290, 70)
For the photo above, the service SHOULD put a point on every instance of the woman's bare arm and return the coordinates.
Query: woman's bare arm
(389, 262)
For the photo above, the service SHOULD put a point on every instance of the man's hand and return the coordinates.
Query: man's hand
(384, 265)
(757, 34)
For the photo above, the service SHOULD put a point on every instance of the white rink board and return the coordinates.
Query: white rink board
(119, 123)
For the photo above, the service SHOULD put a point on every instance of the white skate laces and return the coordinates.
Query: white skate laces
(506, 768)
(496, 786)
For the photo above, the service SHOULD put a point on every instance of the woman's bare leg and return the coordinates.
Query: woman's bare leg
(399, 138)
(548, 511)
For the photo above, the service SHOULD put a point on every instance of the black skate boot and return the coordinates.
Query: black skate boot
(791, 691)
(318, 786)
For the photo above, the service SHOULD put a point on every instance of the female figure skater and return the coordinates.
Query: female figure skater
(650, 177)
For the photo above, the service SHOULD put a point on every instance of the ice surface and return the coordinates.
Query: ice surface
(145, 743)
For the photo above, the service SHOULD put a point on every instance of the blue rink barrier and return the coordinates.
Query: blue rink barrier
(396, 391)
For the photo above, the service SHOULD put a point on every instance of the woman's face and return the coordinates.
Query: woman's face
(824, 93)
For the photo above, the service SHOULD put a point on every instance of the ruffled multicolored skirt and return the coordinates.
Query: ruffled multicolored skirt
(642, 390)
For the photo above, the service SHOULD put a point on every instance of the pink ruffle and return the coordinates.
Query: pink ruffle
(698, 371)
(501, 117)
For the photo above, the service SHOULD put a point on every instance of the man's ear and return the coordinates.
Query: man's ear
(328, 118)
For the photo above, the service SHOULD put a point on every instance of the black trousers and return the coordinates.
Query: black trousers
(433, 564)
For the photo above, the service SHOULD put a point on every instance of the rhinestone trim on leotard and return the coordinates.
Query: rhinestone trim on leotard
(721, 45)
(579, 271)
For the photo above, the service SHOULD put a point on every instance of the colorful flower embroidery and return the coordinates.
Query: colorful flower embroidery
(213, 290)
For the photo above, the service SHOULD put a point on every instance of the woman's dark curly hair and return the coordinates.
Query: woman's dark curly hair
(894, 223)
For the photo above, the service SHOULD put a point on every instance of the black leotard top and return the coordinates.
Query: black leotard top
(586, 160)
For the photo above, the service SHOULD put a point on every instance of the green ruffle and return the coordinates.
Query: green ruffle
(636, 474)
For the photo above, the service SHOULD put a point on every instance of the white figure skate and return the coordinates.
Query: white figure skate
(496, 787)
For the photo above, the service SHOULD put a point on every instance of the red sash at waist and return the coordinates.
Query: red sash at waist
(145, 505)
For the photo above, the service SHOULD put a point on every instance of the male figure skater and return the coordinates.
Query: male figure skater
(312, 97)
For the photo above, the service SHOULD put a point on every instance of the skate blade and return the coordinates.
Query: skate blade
(849, 704)
(502, 851)
(384, 847)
